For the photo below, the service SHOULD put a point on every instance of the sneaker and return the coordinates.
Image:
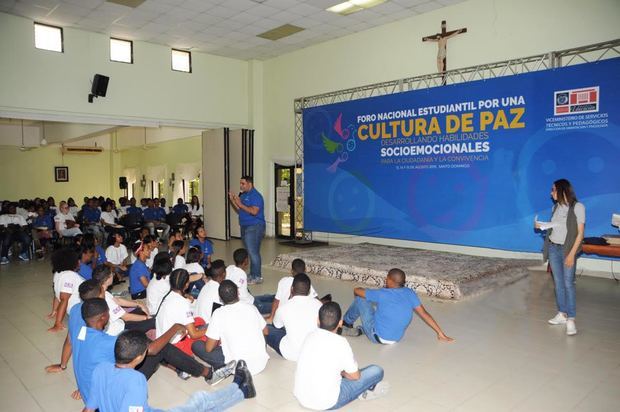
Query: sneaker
(255, 281)
(571, 329)
(24, 257)
(183, 375)
(559, 319)
(222, 373)
(355, 332)
(4, 261)
(380, 389)
(243, 378)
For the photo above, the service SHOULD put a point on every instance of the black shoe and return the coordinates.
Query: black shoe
(242, 374)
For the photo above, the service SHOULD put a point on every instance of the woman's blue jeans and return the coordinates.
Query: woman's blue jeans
(564, 279)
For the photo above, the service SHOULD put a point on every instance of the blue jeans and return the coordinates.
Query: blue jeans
(251, 236)
(274, 338)
(361, 308)
(219, 400)
(351, 390)
(564, 279)
(263, 303)
(215, 358)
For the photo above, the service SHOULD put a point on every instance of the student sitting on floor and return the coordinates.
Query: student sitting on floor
(209, 295)
(120, 320)
(195, 270)
(327, 375)
(175, 234)
(87, 261)
(65, 262)
(118, 387)
(387, 322)
(153, 244)
(42, 227)
(237, 274)
(296, 319)
(139, 273)
(117, 257)
(177, 254)
(236, 331)
(283, 292)
(201, 242)
(159, 285)
(14, 229)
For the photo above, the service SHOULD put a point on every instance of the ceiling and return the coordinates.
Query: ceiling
(220, 27)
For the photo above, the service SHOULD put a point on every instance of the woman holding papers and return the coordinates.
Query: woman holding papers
(562, 245)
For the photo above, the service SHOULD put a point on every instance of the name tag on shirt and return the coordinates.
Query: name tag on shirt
(136, 409)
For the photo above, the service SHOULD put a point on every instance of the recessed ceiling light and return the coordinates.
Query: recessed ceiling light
(352, 6)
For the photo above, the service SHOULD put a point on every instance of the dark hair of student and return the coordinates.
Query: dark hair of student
(85, 248)
(240, 255)
(397, 276)
(89, 289)
(218, 267)
(179, 279)
(148, 239)
(112, 238)
(101, 273)
(196, 203)
(301, 284)
(195, 232)
(248, 178)
(228, 292)
(93, 307)
(64, 259)
(136, 246)
(129, 345)
(565, 192)
(193, 255)
(176, 248)
(162, 266)
(88, 239)
(329, 316)
(298, 266)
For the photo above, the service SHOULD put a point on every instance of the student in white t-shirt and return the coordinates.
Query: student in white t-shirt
(153, 244)
(65, 263)
(159, 284)
(116, 254)
(236, 331)
(175, 308)
(196, 270)
(177, 254)
(327, 375)
(237, 274)
(209, 294)
(65, 222)
(295, 320)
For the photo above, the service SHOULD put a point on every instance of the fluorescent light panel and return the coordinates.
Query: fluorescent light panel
(352, 6)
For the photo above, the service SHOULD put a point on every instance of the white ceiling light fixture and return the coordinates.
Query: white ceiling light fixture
(43, 140)
(353, 6)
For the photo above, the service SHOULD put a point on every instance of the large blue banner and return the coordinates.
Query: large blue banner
(467, 164)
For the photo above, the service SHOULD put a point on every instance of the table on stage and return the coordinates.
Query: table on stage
(602, 250)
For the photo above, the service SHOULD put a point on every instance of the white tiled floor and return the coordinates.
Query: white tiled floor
(505, 356)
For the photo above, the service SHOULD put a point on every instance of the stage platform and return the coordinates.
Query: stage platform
(444, 275)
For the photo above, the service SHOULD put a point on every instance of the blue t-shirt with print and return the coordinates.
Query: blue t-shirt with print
(43, 221)
(180, 209)
(91, 347)
(91, 215)
(250, 199)
(137, 270)
(206, 247)
(150, 213)
(115, 389)
(134, 210)
(160, 212)
(394, 310)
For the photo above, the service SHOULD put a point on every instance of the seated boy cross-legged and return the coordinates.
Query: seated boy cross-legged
(236, 331)
(327, 375)
(118, 387)
(296, 319)
(237, 274)
(394, 305)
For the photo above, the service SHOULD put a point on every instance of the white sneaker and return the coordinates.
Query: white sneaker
(571, 329)
(380, 389)
(559, 319)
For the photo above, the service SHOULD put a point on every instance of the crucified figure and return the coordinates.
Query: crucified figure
(442, 43)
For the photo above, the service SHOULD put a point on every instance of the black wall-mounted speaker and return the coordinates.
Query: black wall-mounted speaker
(122, 182)
(100, 85)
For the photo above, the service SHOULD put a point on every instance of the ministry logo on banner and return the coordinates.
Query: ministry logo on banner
(576, 101)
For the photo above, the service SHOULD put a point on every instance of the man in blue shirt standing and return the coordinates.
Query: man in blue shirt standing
(385, 313)
(250, 206)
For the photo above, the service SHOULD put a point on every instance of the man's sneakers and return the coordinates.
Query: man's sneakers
(4, 260)
(571, 329)
(380, 389)
(243, 378)
(351, 331)
(24, 257)
(222, 373)
(255, 281)
(559, 319)
(183, 375)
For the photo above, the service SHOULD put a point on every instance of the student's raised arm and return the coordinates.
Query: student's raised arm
(428, 319)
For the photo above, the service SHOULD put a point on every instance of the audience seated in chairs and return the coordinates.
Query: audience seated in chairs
(42, 230)
(66, 225)
(14, 229)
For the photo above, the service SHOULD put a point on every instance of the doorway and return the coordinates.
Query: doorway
(284, 198)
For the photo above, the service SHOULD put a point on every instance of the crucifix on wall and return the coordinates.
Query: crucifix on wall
(442, 43)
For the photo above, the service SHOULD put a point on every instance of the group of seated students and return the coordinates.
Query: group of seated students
(192, 307)
(40, 221)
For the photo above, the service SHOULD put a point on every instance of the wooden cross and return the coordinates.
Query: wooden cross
(442, 43)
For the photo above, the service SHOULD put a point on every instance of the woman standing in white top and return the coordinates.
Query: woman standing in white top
(65, 222)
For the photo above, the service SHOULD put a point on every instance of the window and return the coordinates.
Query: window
(121, 50)
(194, 188)
(130, 190)
(48, 37)
(181, 61)
(157, 189)
(160, 189)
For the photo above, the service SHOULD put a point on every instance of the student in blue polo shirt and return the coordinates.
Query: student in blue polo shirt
(180, 208)
(133, 209)
(139, 273)
(387, 322)
(42, 227)
(155, 218)
(91, 219)
(118, 387)
(87, 253)
(206, 247)
(250, 206)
